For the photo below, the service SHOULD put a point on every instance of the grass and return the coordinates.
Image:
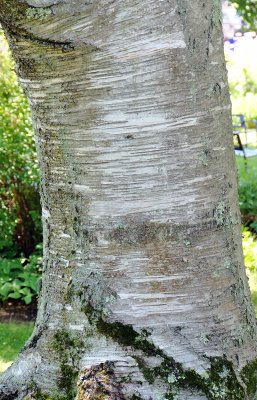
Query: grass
(12, 338)
(250, 256)
(253, 286)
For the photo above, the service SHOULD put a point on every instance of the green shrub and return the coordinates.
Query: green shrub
(248, 11)
(19, 276)
(246, 105)
(250, 258)
(247, 191)
(20, 214)
(250, 249)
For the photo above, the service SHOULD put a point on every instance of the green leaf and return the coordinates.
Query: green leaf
(27, 299)
(5, 289)
(19, 175)
(25, 291)
(33, 282)
(16, 284)
(14, 295)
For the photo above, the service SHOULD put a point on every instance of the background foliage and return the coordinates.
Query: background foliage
(19, 276)
(247, 190)
(248, 10)
(20, 215)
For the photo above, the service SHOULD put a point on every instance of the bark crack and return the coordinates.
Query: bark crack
(65, 46)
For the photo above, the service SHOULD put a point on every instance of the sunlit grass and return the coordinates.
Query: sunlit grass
(250, 258)
(4, 366)
(253, 286)
(12, 338)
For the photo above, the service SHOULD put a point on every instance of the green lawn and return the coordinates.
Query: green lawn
(12, 338)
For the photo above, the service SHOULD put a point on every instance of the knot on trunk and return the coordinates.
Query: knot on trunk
(98, 383)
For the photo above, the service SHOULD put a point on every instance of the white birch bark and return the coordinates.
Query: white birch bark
(144, 292)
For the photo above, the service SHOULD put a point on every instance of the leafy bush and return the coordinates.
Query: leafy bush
(250, 249)
(246, 105)
(20, 214)
(19, 276)
(247, 191)
(248, 10)
(250, 258)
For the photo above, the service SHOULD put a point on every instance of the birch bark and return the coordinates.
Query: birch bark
(144, 294)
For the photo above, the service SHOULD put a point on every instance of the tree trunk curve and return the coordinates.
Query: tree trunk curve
(144, 294)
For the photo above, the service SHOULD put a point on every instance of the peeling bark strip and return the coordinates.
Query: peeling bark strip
(144, 294)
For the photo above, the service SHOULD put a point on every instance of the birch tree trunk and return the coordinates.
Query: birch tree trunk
(144, 294)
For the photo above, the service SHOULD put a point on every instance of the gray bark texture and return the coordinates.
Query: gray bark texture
(144, 294)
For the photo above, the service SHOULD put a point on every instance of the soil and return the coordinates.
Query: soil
(15, 311)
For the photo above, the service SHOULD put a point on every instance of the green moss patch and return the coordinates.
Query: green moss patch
(68, 351)
(220, 381)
